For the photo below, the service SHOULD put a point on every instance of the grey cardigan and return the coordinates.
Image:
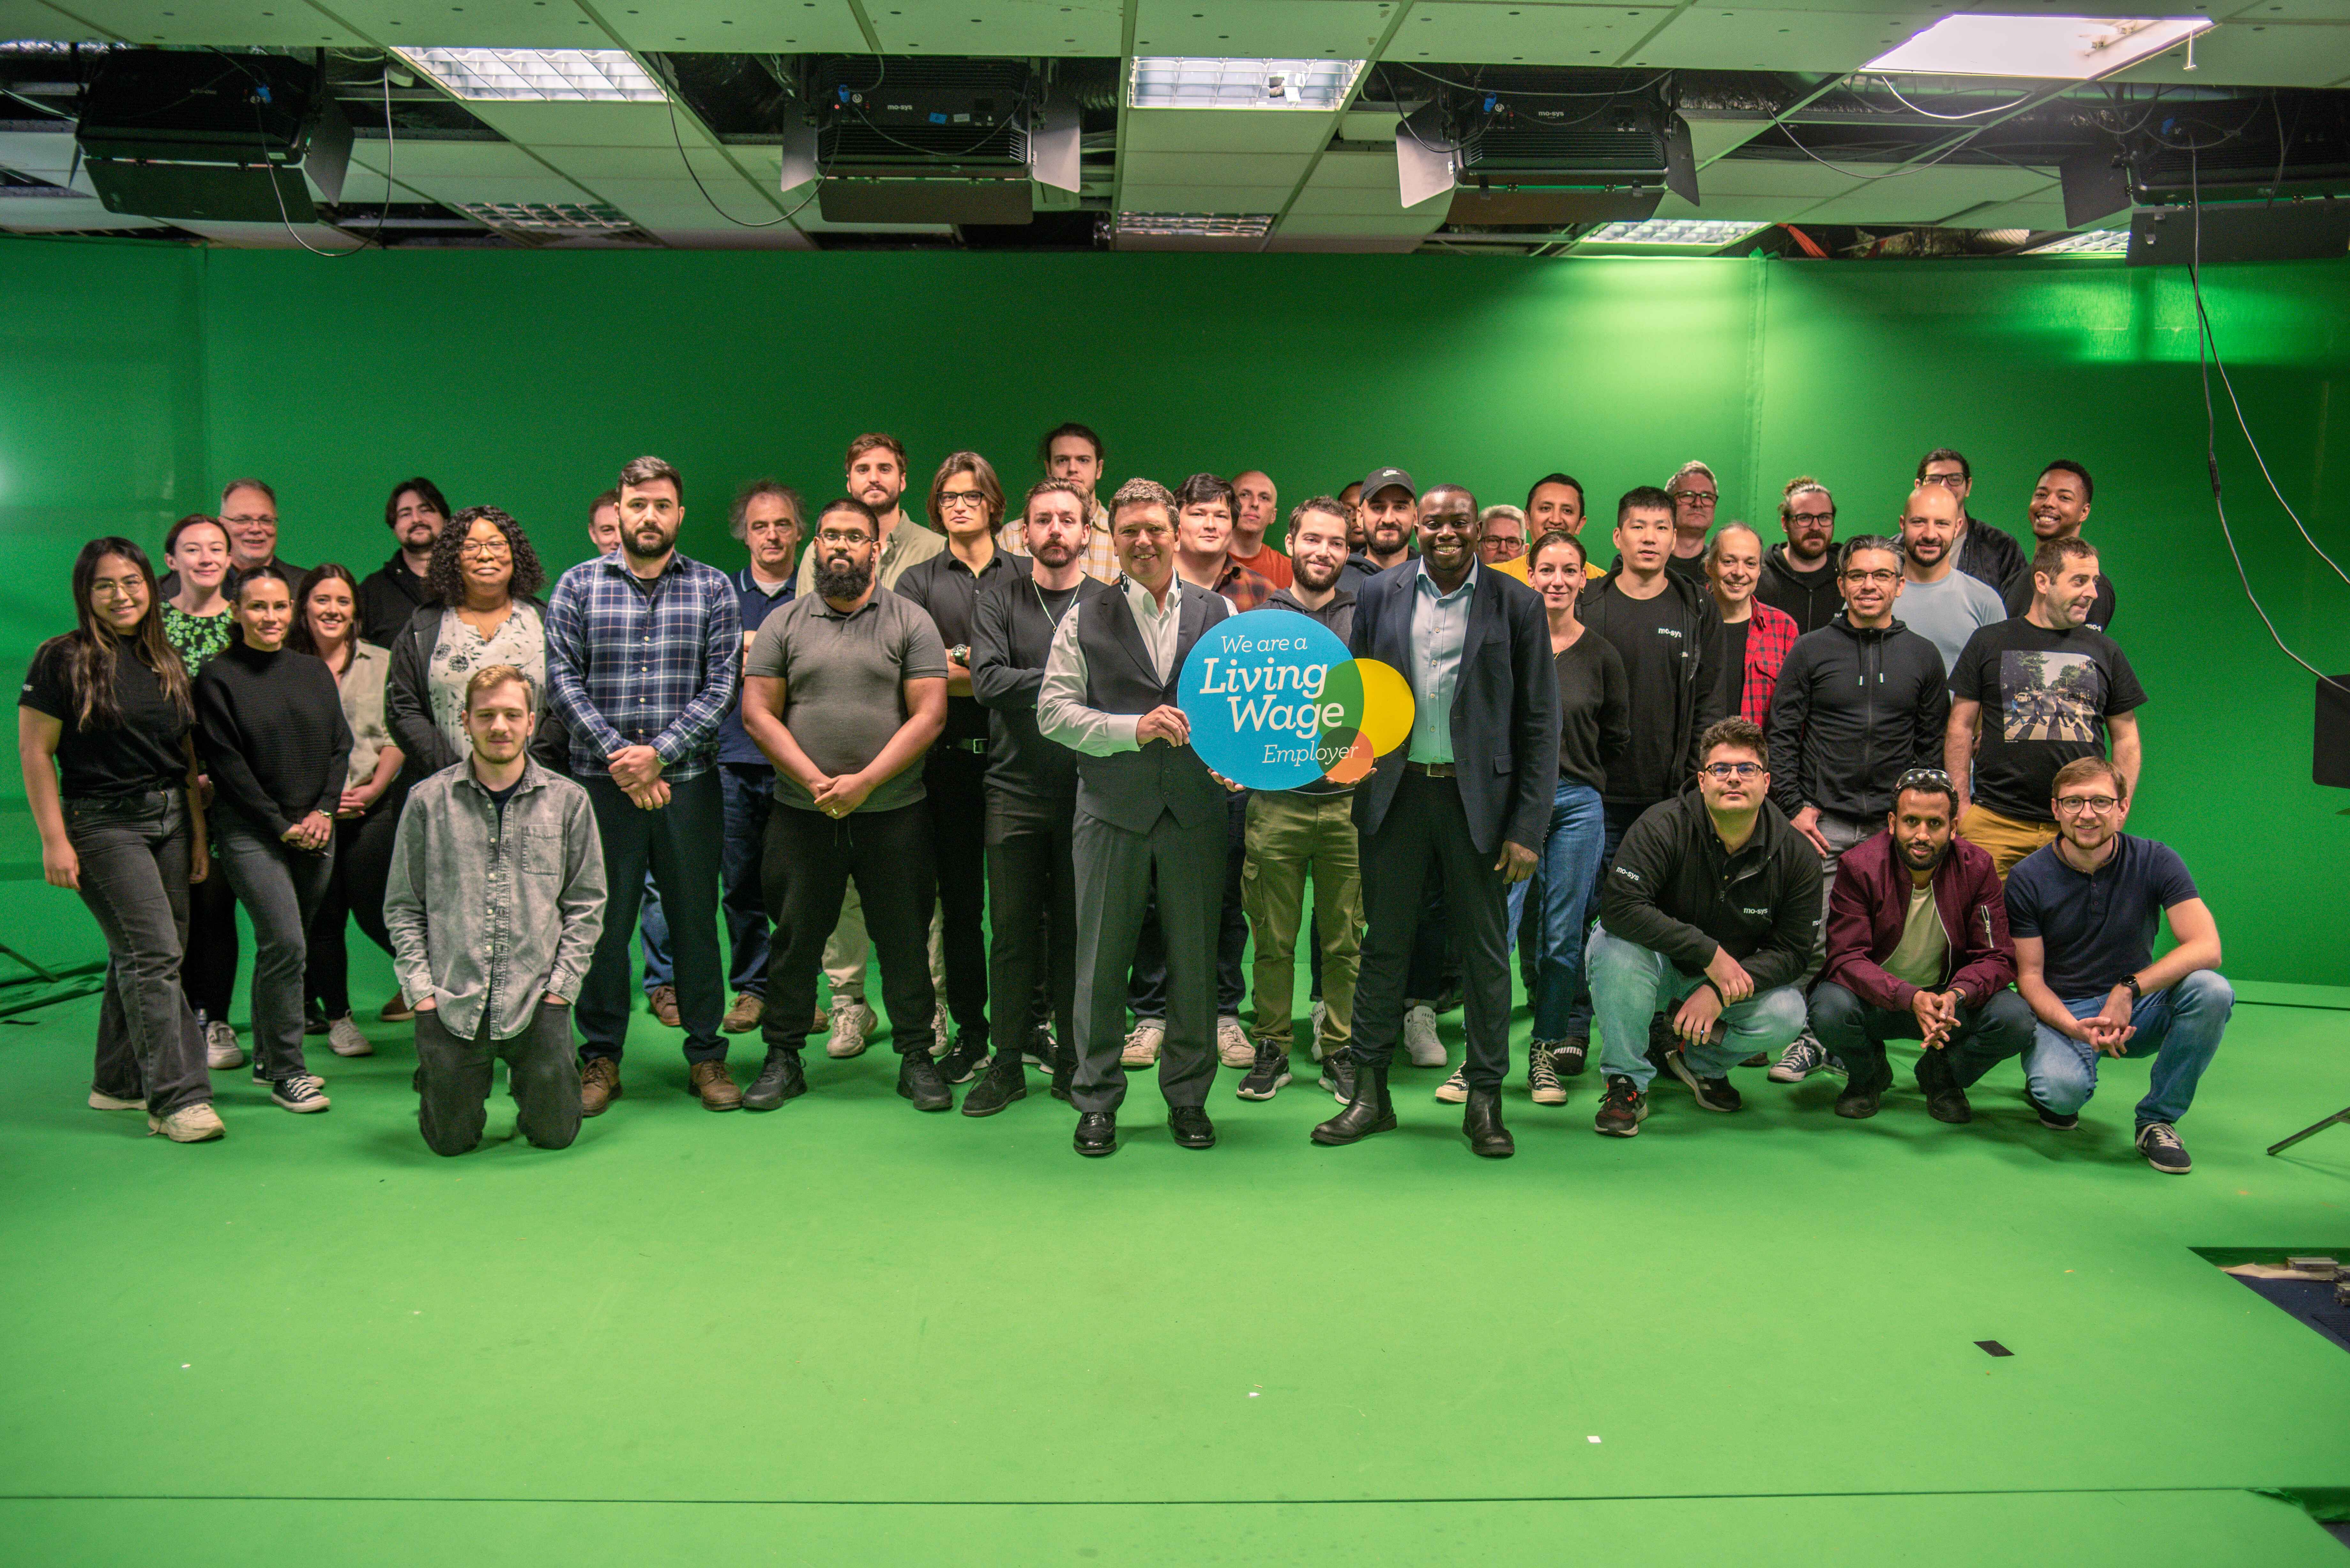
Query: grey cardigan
(488, 914)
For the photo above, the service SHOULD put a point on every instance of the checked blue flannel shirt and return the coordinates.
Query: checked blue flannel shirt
(630, 663)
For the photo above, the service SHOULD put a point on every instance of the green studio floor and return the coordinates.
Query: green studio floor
(846, 1333)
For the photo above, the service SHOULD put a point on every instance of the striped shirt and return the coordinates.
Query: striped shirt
(631, 663)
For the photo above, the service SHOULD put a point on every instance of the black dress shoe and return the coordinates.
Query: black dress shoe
(998, 1088)
(1192, 1128)
(1859, 1105)
(919, 1081)
(1370, 1111)
(781, 1079)
(1482, 1122)
(1945, 1101)
(1097, 1134)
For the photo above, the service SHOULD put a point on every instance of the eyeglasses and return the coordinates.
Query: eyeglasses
(1880, 577)
(1953, 479)
(1732, 770)
(1694, 497)
(268, 517)
(1827, 516)
(2093, 805)
(484, 549)
(950, 500)
(835, 536)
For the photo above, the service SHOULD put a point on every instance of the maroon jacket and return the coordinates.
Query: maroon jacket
(1870, 900)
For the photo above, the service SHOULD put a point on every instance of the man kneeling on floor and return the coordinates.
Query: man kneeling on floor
(1917, 949)
(2084, 910)
(1711, 903)
(495, 902)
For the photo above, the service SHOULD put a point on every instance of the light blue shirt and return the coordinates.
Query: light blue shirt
(1948, 612)
(1440, 625)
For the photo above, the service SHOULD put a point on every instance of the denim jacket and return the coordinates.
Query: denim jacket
(487, 916)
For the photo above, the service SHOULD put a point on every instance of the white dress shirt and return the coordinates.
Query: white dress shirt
(1061, 711)
(1439, 625)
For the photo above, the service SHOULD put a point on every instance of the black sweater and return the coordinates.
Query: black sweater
(1853, 712)
(271, 729)
(1810, 596)
(1595, 719)
(1675, 890)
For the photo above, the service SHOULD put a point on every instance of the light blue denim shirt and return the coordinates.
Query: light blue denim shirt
(1440, 625)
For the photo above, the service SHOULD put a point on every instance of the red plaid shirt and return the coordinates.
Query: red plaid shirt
(1769, 636)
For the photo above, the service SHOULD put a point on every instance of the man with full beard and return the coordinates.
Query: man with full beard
(1390, 513)
(643, 653)
(1939, 602)
(1800, 577)
(416, 512)
(1917, 949)
(846, 689)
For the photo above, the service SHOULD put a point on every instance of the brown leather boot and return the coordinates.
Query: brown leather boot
(599, 1084)
(717, 1090)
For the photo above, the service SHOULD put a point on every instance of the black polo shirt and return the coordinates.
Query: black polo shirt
(947, 588)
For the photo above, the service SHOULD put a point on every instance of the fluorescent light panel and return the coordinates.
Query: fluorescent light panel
(1198, 225)
(1709, 234)
(1172, 81)
(2096, 243)
(557, 219)
(538, 75)
(2060, 49)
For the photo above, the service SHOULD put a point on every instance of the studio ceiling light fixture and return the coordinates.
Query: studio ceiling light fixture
(2059, 49)
(1198, 225)
(2096, 243)
(538, 75)
(1675, 233)
(1173, 81)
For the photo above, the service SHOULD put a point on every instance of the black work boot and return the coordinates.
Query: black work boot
(1481, 1123)
(919, 1081)
(1370, 1111)
(1006, 1080)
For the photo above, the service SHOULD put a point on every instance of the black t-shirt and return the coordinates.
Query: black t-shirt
(2045, 697)
(1689, 566)
(2101, 612)
(1594, 720)
(1647, 637)
(1056, 601)
(498, 797)
(2096, 929)
(1733, 682)
(143, 753)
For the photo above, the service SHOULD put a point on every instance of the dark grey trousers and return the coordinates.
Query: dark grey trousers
(281, 888)
(456, 1075)
(134, 878)
(1114, 868)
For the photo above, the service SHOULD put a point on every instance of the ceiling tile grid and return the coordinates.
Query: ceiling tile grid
(997, 26)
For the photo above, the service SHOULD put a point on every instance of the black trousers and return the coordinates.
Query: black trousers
(1148, 992)
(682, 844)
(454, 1075)
(956, 785)
(810, 859)
(1115, 872)
(1855, 1033)
(355, 892)
(1425, 827)
(208, 974)
(1032, 905)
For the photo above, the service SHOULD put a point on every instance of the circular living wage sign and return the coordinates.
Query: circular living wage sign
(1276, 702)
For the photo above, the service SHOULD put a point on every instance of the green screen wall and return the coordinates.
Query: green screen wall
(134, 379)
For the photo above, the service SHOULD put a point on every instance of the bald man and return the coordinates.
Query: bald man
(1939, 602)
(1256, 507)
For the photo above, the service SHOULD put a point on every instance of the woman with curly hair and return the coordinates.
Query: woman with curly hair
(483, 581)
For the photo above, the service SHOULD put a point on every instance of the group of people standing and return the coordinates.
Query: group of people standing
(1805, 823)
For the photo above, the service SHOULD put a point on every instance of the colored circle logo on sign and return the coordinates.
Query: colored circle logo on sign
(1276, 702)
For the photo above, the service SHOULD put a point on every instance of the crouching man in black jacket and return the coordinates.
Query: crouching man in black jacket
(1711, 904)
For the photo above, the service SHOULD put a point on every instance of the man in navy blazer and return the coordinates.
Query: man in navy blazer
(1470, 794)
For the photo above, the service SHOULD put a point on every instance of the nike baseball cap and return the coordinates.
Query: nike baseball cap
(1387, 479)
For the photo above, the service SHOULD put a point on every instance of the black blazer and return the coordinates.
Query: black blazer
(1504, 707)
(407, 703)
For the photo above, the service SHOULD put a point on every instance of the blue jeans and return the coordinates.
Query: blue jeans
(2179, 1027)
(1620, 816)
(1629, 983)
(746, 792)
(1570, 866)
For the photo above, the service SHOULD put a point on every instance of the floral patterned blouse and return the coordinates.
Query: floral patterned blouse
(196, 638)
(520, 641)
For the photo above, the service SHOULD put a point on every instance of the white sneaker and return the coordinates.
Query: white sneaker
(1419, 1039)
(220, 1050)
(1234, 1047)
(104, 1102)
(1321, 1016)
(343, 1037)
(1142, 1045)
(198, 1123)
(851, 1023)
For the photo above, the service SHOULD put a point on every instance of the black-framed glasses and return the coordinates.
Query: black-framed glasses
(1881, 577)
(1691, 497)
(2093, 804)
(1827, 516)
(1950, 481)
(957, 498)
(1733, 770)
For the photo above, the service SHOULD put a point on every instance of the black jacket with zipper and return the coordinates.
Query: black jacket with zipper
(1676, 890)
(1853, 711)
(1696, 696)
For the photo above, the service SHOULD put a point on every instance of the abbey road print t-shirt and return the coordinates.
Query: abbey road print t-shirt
(2045, 697)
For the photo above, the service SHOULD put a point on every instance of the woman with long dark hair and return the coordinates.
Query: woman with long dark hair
(484, 579)
(326, 625)
(198, 625)
(271, 727)
(102, 733)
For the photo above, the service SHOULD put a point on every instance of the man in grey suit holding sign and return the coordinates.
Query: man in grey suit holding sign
(1468, 793)
(1146, 805)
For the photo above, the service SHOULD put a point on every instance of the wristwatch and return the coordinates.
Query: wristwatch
(961, 653)
(2137, 992)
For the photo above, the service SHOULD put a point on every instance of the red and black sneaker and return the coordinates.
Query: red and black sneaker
(1623, 1110)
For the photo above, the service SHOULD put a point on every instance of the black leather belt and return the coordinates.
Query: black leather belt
(978, 748)
(1431, 770)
